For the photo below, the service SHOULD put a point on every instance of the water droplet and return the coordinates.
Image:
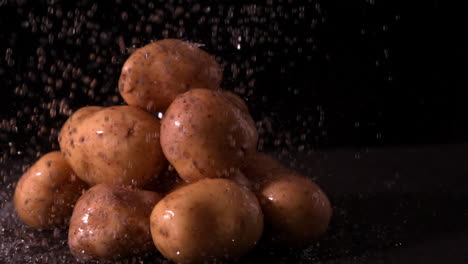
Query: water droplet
(357, 155)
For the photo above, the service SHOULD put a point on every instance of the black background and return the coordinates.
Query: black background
(325, 73)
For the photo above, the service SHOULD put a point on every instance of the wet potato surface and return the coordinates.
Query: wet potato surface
(118, 144)
(155, 74)
(166, 182)
(46, 194)
(111, 222)
(204, 133)
(297, 212)
(212, 219)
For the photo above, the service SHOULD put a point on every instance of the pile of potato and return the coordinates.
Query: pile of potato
(191, 185)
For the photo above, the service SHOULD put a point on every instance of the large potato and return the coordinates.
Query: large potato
(206, 133)
(118, 144)
(111, 221)
(211, 219)
(155, 74)
(46, 193)
(296, 210)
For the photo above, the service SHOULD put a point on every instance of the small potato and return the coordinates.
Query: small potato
(155, 74)
(296, 210)
(207, 133)
(118, 144)
(111, 221)
(212, 219)
(46, 193)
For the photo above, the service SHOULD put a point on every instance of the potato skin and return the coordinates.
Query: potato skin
(205, 133)
(297, 212)
(207, 220)
(118, 145)
(46, 194)
(155, 74)
(236, 100)
(81, 114)
(166, 182)
(111, 221)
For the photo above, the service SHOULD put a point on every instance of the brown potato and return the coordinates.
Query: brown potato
(155, 74)
(111, 221)
(296, 210)
(166, 182)
(208, 220)
(118, 144)
(260, 167)
(80, 115)
(236, 100)
(46, 193)
(205, 133)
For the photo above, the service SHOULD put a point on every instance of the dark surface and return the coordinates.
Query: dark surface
(392, 205)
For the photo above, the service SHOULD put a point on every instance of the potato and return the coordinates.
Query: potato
(111, 221)
(205, 133)
(236, 100)
(155, 74)
(239, 177)
(296, 210)
(80, 115)
(118, 144)
(208, 220)
(46, 193)
(166, 182)
(260, 167)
